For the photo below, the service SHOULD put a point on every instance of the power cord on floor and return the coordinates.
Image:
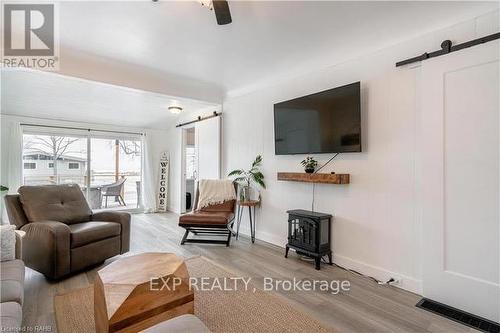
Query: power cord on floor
(326, 261)
(388, 282)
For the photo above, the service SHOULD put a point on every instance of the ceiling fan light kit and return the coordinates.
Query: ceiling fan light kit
(220, 7)
(206, 3)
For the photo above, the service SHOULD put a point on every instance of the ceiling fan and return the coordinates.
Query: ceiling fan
(220, 8)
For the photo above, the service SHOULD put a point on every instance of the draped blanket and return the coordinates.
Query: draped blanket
(215, 191)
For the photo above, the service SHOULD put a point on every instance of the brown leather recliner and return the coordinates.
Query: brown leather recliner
(63, 235)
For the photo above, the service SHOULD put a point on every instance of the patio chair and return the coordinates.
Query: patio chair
(114, 190)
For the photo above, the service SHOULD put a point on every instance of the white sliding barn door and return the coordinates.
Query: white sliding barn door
(207, 137)
(460, 179)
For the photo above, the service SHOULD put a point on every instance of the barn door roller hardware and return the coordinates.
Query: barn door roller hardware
(200, 118)
(447, 47)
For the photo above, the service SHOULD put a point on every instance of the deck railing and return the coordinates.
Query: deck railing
(97, 179)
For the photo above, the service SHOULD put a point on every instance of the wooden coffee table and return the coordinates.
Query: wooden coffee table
(126, 299)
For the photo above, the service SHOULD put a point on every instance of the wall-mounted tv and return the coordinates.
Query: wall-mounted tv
(324, 122)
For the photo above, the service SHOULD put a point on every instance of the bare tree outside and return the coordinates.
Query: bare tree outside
(56, 146)
(130, 147)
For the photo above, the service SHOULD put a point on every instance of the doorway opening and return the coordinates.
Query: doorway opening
(190, 168)
(200, 158)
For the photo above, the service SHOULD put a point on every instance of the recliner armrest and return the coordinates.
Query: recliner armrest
(118, 217)
(46, 247)
(19, 243)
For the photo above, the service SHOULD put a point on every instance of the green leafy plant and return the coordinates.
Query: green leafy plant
(309, 163)
(3, 188)
(254, 175)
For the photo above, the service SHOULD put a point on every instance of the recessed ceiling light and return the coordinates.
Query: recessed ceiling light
(175, 109)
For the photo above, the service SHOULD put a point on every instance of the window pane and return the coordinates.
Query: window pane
(190, 162)
(46, 159)
(29, 166)
(115, 173)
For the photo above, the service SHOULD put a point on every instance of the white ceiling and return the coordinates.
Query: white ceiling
(52, 96)
(180, 42)
(266, 39)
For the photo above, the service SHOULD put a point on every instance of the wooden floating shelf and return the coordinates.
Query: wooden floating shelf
(323, 178)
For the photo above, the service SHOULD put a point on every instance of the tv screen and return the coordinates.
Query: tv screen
(325, 122)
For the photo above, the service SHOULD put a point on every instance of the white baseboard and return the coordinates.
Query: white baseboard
(407, 282)
(172, 209)
(265, 237)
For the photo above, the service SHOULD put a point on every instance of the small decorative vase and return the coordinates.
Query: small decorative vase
(309, 170)
(244, 194)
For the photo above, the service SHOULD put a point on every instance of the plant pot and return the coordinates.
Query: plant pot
(244, 194)
(309, 170)
(247, 193)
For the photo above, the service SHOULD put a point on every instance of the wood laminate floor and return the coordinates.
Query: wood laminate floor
(367, 307)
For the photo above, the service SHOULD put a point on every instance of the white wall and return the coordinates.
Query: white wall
(376, 228)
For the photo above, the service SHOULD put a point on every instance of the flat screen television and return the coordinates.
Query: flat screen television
(324, 122)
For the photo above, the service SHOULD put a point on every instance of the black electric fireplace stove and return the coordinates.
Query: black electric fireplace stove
(309, 234)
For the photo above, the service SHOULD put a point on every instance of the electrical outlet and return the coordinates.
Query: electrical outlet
(396, 281)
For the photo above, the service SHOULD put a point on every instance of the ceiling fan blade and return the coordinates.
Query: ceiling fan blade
(222, 14)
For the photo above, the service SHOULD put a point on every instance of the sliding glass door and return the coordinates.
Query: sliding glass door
(54, 159)
(107, 168)
(116, 171)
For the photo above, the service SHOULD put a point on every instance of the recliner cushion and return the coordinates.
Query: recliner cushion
(90, 232)
(61, 203)
(206, 218)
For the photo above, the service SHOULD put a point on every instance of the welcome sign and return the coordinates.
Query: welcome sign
(162, 193)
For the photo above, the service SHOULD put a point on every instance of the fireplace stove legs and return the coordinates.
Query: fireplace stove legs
(317, 259)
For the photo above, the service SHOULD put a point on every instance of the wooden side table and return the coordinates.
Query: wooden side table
(240, 206)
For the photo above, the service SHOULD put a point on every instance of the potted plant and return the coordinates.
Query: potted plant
(247, 177)
(309, 164)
